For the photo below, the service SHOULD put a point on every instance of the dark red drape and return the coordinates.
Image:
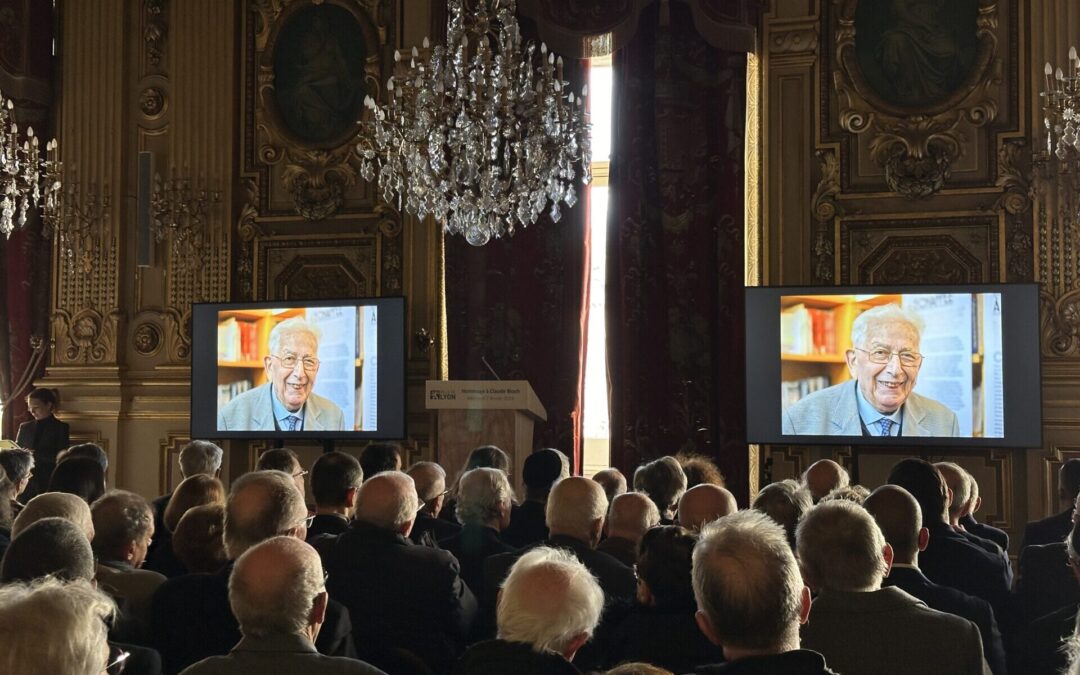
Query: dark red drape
(675, 248)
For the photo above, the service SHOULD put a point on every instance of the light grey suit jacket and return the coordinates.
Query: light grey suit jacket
(282, 654)
(888, 632)
(252, 411)
(834, 412)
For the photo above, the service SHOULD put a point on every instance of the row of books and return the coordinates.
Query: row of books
(227, 392)
(807, 330)
(237, 340)
(793, 390)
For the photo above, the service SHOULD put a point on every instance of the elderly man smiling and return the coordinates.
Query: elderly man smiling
(285, 402)
(884, 362)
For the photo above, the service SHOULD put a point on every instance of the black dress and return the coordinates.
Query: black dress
(47, 437)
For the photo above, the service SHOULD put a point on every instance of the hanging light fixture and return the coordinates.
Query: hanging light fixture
(21, 170)
(484, 135)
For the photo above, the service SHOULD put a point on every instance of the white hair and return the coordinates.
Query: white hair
(293, 326)
(959, 481)
(574, 505)
(548, 599)
(285, 607)
(55, 505)
(633, 512)
(50, 626)
(386, 511)
(480, 493)
(840, 548)
(200, 457)
(256, 517)
(884, 314)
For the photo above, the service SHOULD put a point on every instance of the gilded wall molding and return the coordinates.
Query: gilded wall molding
(86, 336)
(826, 209)
(799, 37)
(155, 31)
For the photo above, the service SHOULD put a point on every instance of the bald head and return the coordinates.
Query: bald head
(705, 503)
(900, 519)
(277, 587)
(631, 515)
(576, 508)
(388, 500)
(956, 480)
(55, 505)
(823, 476)
(430, 481)
(262, 504)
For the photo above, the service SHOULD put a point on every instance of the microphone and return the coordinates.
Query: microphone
(490, 369)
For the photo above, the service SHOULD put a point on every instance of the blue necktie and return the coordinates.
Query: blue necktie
(886, 424)
(291, 422)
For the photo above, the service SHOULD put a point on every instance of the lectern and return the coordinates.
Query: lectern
(484, 412)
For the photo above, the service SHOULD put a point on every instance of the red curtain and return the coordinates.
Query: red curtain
(675, 248)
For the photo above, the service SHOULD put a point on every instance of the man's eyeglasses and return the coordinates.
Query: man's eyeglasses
(300, 474)
(909, 359)
(117, 659)
(311, 364)
(425, 502)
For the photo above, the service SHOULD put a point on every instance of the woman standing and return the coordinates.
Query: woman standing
(45, 436)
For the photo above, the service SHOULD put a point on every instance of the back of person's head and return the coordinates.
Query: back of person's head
(900, 519)
(275, 586)
(488, 456)
(747, 584)
(200, 457)
(122, 519)
(576, 508)
(956, 480)
(613, 482)
(705, 503)
(80, 476)
(484, 497)
(90, 450)
(278, 459)
(699, 469)
(50, 546)
(841, 548)
(332, 476)
(197, 490)
(45, 395)
(199, 540)
(631, 515)
(1069, 479)
(52, 626)
(379, 457)
(785, 502)
(16, 465)
(637, 668)
(55, 505)
(388, 500)
(663, 480)
(823, 476)
(973, 487)
(926, 485)
(549, 601)
(430, 480)
(261, 504)
(664, 563)
(540, 470)
(855, 494)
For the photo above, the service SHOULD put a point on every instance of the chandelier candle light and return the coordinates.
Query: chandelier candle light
(483, 134)
(21, 168)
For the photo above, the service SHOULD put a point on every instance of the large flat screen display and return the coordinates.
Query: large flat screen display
(946, 365)
(302, 369)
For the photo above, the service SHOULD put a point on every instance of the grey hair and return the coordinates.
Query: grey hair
(480, 493)
(261, 614)
(200, 457)
(281, 509)
(433, 479)
(120, 517)
(292, 326)
(51, 626)
(574, 514)
(746, 581)
(548, 598)
(663, 480)
(840, 548)
(55, 505)
(786, 502)
(884, 314)
(390, 515)
(959, 484)
(632, 512)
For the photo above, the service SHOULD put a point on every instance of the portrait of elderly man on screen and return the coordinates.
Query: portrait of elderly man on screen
(285, 402)
(884, 362)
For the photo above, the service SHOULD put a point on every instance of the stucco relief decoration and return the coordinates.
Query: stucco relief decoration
(87, 336)
(826, 208)
(911, 74)
(155, 30)
(147, 339)
(316, 60)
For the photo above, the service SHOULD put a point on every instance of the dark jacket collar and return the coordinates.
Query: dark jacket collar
(278, 642)
(797, 662)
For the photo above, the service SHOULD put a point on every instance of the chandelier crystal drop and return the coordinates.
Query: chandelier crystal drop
(484, 134)
(25, 177)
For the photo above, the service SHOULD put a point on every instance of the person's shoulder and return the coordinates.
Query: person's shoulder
(819, 398)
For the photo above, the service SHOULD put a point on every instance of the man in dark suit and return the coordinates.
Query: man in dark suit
(335, 479)
(190, 614)
(406, 601)
(483, 507)
(429, 528)
(1053, 529)
(898, 515)
(528, 520)
(967, 519)
(630, 516)
(959, 498)
(1041, 650)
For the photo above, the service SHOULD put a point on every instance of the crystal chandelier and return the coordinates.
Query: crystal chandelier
(21, 169)
(483, 134)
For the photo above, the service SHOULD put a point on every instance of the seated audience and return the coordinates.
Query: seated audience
(861, 627)
(548, 608)
(785, 502)
(855, 494)
(631, 514)
(190, 615)
(50, 546)
(51, 627)
(16, 471)
(483, 508)
(55, 505)
(527, 521)
(751, 598)
(699, 469)
(967, 519)
(197, 457)
(80, 476)
(89, 450)
(284, 460)
(197, 490)
(403, 597)
(613, 482)
(430, 480)
(959, 500)
(824, 476)
(1044, 583)
(335, 479)
(661, 628)
(664, 482)
(1053, 529)
(199, 541)
(278, 595)
(485, 456)
(900, 519)
(703, 504)
(1041, 651)
(380, 457)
